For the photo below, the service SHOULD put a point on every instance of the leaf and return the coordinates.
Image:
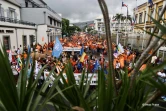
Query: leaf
(152, 34)
(8, 93)
(158, 24)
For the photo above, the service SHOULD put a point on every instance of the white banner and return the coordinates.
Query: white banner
(77, 77)
(71, 49)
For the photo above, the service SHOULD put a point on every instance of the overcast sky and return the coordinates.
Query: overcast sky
(87, 10)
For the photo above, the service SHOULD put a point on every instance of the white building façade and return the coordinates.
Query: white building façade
(27, 22)
(49, 23)
(13, 30)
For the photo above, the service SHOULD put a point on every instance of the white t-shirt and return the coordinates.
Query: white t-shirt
(161, 74)
(14, 70)
(153, 59)
(117, 65)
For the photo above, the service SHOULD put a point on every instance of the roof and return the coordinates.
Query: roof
(14, 2)
(43, 2)
(91, 25)
(142, 5)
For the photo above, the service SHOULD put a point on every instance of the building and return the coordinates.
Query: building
(115, 25)
(99, 25)
(92, 26)
(121, 26)
(49, 23)
(143, 21)
(14, 32)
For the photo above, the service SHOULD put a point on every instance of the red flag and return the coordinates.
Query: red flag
(124, 5)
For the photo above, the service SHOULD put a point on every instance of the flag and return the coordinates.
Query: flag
(133, 21)
(124, 5)
(57, 49)
(10, 56)
(19, 61)
(79, 65)
(151, 3)
(82, 50)
(29, 49)
(82, 57)
(120, 49)
(96, 66)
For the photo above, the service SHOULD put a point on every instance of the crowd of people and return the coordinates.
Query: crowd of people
(93, 56)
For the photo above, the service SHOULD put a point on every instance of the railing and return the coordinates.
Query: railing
(16, 21)
(41, 6)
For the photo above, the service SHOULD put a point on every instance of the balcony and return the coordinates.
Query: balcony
(16, 21)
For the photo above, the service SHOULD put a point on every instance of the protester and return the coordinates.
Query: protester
(92, 56)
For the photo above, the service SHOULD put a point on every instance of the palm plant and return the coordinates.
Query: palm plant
(129, 18)
(20, 96)
(123, 18)
(128, 94)
(118, 17)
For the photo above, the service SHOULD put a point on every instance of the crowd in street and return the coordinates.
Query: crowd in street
(91, 57)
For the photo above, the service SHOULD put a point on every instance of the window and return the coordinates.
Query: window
(1, 31)
(9, 31)
(11, 13)
(33, 5)
(136, 18)
(98, 28)
(54, 22)
(6, 42)
(151, 14)
(159, 10)
(98, 20)
(31, 40)
(51, 21)
(1, 11)
(140, 18)
(144, 16)
(51, 38)
(24, 38)
(26, 3)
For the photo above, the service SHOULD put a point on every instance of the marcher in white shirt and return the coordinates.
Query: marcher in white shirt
(153, 59)
(117, 65)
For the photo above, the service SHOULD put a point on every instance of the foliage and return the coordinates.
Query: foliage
(121, 17)
(73, 29)
(65, 26)
(68, 30)
(20, 96)
(146, 88)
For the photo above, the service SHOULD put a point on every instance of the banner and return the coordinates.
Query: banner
(77, 76)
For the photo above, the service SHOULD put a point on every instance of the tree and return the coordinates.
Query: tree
(89, 29)
(118, 17)
(129, 18)
(65, 26)
(73, 29)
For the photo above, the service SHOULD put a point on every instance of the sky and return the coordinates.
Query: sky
(87, 10)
